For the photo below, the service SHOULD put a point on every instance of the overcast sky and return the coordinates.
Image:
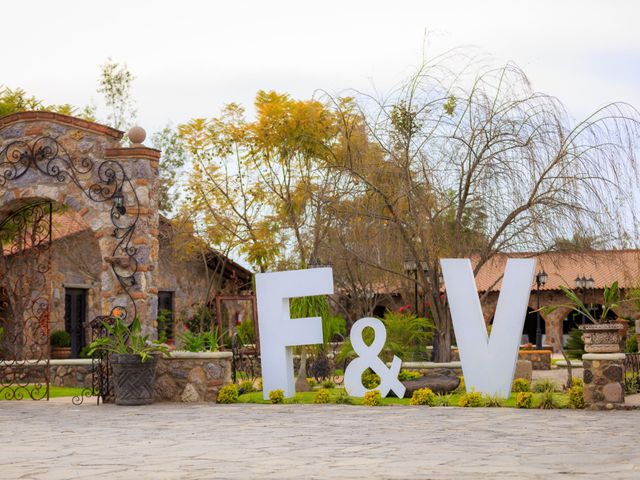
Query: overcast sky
(190, 57)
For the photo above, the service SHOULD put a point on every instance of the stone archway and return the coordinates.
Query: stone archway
(114, 189)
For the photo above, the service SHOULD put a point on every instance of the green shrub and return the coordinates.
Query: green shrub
(370, 380)
(576, 398)
(60, 339)
(228, 394)
(521, 385)
(405, 375)
(246, 387)
(471, 399)
(276, 396)
(328, 384)
(631, 344)
(524, 400)
(631, 384)
(259, 388)
(246, 333)
(574, 346)
(343, 397)
(407, 336)
(545, 385)
(312, 382)
(547, 401)
(372, 398)
(577, 382)
(322, 396)
(493, 401)
(443, 400)
(200, 342)
(423, 396)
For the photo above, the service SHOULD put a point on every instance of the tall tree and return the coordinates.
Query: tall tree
(472, 166)
(114, 84)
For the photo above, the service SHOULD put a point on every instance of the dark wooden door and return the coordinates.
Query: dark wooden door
(75, 313)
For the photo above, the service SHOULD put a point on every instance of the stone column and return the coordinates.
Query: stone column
(603, 380)
(141, 165)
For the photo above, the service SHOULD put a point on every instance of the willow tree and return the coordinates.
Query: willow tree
(467, 165)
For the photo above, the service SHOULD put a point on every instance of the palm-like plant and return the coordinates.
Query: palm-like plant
(122, 339)
(610, 300)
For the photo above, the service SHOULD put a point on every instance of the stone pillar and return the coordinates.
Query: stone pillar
(603, 380)
(141, 165)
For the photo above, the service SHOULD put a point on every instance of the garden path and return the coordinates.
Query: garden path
(57, 440)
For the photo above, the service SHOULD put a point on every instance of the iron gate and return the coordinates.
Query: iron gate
(25, 302)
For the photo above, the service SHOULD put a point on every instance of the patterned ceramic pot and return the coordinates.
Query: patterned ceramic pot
(602, 337)
(133, 379)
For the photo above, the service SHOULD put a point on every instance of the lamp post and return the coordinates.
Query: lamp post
(541, 279)
(583, 283)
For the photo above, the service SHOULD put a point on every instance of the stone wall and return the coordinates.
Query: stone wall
(603, 380)
(192, 377)
(540, 359)
(79, 159)
(62, 373)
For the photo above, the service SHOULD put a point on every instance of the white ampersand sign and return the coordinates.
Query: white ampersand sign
(368, 358)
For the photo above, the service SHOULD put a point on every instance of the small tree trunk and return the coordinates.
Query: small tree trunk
(302, 384)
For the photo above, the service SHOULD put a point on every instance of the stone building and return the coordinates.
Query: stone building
(600, 268)
(90, 240)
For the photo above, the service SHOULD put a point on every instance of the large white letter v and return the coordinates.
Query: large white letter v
(488, 363)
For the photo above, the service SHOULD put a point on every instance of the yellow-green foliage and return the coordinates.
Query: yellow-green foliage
(423, 396)
(576, 398)
(471, 399)
(343, 398)
(577, 382)
(322, 396)
(409, 375)
(493, 401)
(546, 400)
(524, 400)
(228, 394)
(370, 380)
(312, 382)
(461, 386)
(545, 385)
(372, 398)
(276, 396)
(246, 387)
(521, 385)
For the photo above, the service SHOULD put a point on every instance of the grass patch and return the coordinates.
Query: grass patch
(562, 400)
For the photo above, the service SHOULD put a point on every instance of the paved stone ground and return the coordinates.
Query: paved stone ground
(56, 440)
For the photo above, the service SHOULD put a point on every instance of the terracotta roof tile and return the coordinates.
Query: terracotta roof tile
(604, 267)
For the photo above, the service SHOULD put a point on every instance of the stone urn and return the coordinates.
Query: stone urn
(133, 379)
(602, 337)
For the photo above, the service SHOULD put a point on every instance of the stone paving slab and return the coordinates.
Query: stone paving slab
(57, 440)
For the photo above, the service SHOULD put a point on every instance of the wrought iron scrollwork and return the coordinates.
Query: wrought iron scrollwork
(100, 365)
(25, 240)
(100, 182)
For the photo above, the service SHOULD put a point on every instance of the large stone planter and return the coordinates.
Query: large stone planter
(602, 337)
(133, 380)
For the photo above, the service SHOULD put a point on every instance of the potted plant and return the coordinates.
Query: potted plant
(603, 334)
(60, 344)
(133, 359)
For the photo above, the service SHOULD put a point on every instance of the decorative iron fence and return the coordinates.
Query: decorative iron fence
(632, 373)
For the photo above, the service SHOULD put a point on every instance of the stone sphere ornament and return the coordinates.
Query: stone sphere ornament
(137, 135)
